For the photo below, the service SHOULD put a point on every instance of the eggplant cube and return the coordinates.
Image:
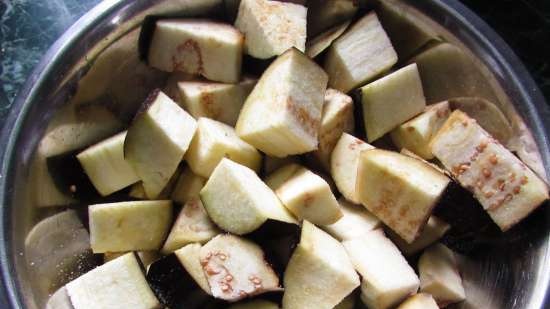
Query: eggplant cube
(271, 27)
(215, 140)
(282, 114)
(344, 163)
(235, 268)
(119, 283)
(320, 266)
(336, 119)
(355, 222)
(213, 50)
(324, 14)
(192, 226)
(105, 165)
(401, 191)
(361, 54)
(432, 232)
(190, 258)
(416, 134)
(387, 277)
(129, 226)
(392, 100)
(321, 42)
(308, 197)
(187, 187)
(157, 140)
(419, 301)
(238, 201)
(218, 101)
(439, 275)
(506, 188)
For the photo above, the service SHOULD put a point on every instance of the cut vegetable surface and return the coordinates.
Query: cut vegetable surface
(105, 165)
(439, 275)
(235, 268)
(387, 277)
(320, 266)
(337, 118)
(416, 134)
(359, 55)
(119, 283)
(217, 101)
(129, 226)
(419, 301)
(157, 140)
(282, 115)
(238, 201)
(213, 50)
(344, 164)
(432, 232)
(215, 140)
(355, 222)
(399, 190)
(187, 187)
(508, 190)
(192, 226)
(271, 27)
(392, 100)
(320, 43)
(323, 14)
(308, 197)
(190, 258)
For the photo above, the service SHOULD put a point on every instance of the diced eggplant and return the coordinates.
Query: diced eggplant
(146, 257)
(255, 304)
(399, 190)
(320, 266)
(215, 140)
(59, 300)
(211, 49)
(448, 71)
(348, 302)
(235, 268)
(355, 222)
(192, 226)
(407, 32)
(487, 115)
(387, 277)
(281, 175)
(282, 115)
(323, 14)
(306, 195)
(129, 226)
(321, 42)
(157, 140)
(105, 165)
(176, 288)
(217, 101)
(344, 163)
(271, 164)
(190, 258)
(271, 27)
(238, 201)
(57, 250)
(119, 283)
(439, 275)
(187, 187)
(337, 118)
(419, 301)
(432, 232)
(436, 165)
(416, 134)
(508, 190)
(361, 54)
(392, 100)
(137, 191)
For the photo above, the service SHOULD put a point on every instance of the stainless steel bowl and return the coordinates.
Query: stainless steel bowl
(514, 275)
